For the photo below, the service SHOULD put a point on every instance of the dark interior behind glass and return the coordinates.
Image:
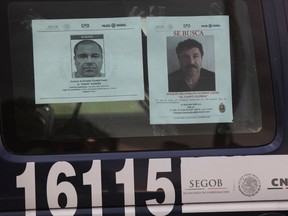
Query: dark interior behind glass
(124, 126)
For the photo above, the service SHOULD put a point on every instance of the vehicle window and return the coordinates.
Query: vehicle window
(110, 121)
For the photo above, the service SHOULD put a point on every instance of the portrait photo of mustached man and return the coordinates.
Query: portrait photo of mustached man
(190, 74)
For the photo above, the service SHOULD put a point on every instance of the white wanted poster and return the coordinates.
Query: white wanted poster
(189, 70)
(87, 60)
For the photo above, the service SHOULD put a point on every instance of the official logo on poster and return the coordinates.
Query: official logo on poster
(85, 25)
(249, 185)
(222, 108)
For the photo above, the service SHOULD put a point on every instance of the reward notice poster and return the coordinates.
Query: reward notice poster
(189, 70)
(88, 60)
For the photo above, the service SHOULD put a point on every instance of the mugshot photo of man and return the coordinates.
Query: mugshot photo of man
(191, 76)
(88, 59)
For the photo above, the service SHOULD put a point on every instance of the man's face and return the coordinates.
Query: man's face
(190, 62)
(88, 60)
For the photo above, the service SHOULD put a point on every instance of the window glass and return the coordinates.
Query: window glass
(124, 124)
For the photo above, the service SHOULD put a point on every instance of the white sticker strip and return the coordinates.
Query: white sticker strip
(232, 179)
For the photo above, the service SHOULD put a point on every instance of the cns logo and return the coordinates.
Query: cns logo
(278, 184)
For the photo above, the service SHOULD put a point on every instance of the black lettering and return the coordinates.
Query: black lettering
(284, 182)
